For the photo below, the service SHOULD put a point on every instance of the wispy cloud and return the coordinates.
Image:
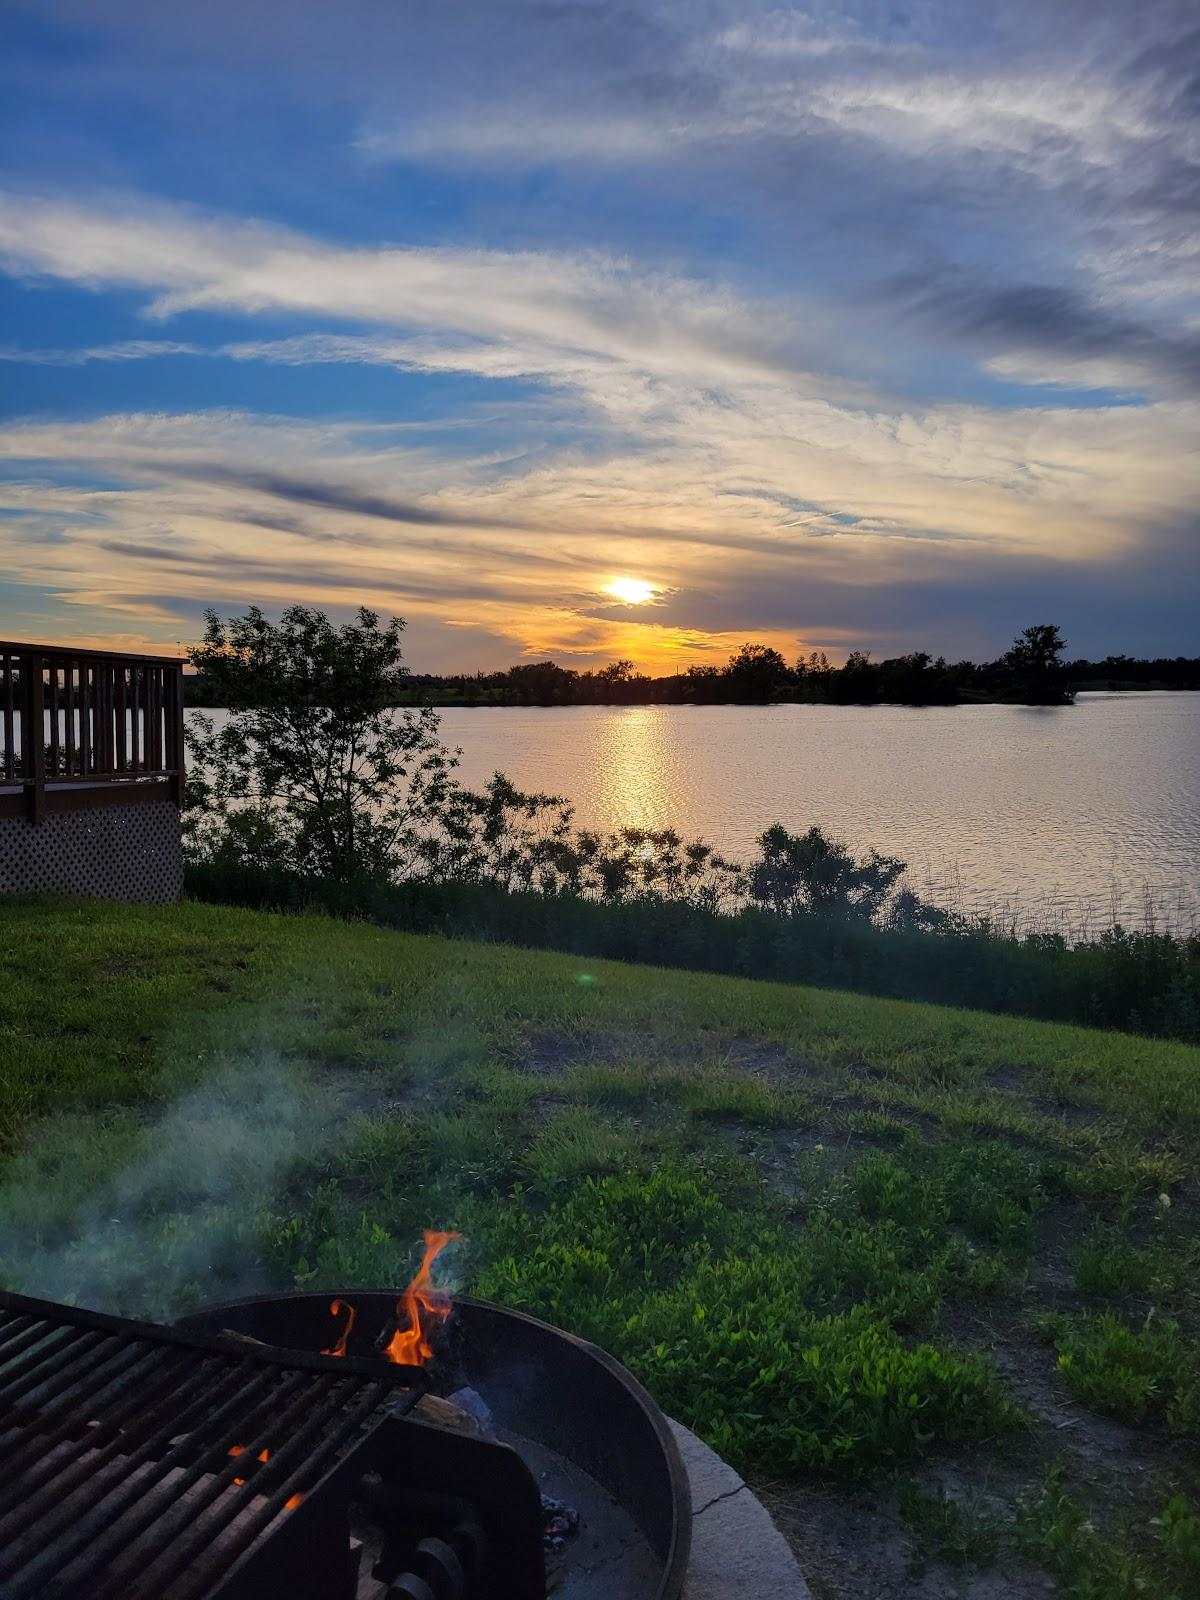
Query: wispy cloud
(122, 350)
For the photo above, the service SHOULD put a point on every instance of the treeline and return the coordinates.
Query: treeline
(1033, 672)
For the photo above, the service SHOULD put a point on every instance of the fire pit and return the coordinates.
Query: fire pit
(589, 1434)
(273, 1448)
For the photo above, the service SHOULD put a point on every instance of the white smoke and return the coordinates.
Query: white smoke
(177, 1220)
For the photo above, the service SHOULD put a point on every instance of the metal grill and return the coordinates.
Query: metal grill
(139, 1461)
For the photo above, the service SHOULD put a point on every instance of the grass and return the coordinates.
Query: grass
(1130, 1371)
(854, 1241)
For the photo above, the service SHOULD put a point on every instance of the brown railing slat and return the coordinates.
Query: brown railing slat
(137, 710)
(55, 752)
(85, 718)
(121, 674)
(157, 701)
(106, 717)
(178, 751)
(69, 712)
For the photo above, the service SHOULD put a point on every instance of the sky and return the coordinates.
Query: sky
(603, 328)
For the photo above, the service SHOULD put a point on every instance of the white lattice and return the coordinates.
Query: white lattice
(126, 852)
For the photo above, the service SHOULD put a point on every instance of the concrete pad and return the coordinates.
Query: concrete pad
(736, 1548)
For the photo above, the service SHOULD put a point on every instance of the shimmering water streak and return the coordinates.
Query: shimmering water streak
(1075, 816)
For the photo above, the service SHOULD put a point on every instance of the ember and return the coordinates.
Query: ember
(240, 1450)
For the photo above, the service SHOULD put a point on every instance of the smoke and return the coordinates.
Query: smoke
(149, 1216)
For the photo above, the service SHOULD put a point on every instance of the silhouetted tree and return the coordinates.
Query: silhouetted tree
(810, 872)
(1035, 660)
(757, 672)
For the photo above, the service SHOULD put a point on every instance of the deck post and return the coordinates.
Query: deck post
(177, 751)
(33, 735)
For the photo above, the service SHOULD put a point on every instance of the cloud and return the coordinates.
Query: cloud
(1051, 332)
(122, 350)
(834, 511)
(550, 304)
(667, 426)
(327, 496)
(1055, 144)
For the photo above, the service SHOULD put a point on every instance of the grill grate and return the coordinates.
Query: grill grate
(140, 1461)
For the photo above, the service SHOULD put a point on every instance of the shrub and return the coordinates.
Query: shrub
(984, 1186)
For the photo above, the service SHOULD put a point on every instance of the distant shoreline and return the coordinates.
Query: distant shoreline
(417, 701)
(1033, 673)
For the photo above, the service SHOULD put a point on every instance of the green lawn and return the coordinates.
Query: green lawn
(927, 1276)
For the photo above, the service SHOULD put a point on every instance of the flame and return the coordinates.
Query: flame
(420, 1307)
(292, 1502)
(336, 1308)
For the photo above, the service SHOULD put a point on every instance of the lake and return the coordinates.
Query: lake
(1066, 816)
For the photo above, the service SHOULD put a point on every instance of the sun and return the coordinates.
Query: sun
(630, 591)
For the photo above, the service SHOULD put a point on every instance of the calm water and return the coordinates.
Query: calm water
(1070, 815)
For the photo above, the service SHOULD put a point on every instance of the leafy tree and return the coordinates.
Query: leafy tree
(817, 665)
(542, 683)
(312, 769)
(649, 864)
(1035, 659)
(858, 681)
(503, 836)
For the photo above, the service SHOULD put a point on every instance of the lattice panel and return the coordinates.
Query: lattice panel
(126, 852)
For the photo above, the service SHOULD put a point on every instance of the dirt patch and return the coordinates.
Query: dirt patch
(856, 1547)
(549, 1055)
(1102, 1449)
(922, 1122)
(1015, 1083)
(794, 1162)
(762, 1058)
(1113, 1460)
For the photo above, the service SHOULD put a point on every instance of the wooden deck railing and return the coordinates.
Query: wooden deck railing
(81, 728)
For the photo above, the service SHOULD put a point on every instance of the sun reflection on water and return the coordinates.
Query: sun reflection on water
(635, 768)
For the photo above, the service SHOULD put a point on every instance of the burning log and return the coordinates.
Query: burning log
(445, 1414)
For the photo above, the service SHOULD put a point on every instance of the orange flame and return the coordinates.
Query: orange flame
(335, 1310)
(420, 1307)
